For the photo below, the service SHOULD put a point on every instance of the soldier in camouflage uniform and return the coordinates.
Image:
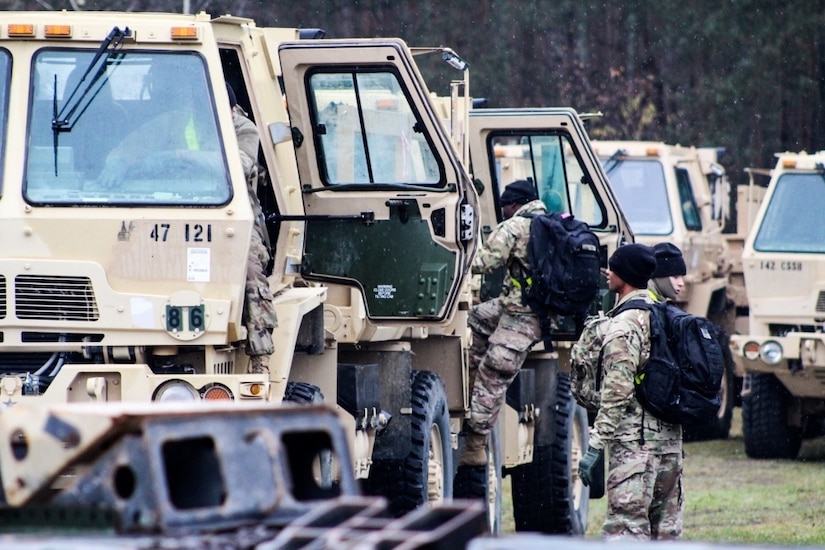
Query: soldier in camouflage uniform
(667, 280)
(644, 478)
(259, 313)
(503, 329)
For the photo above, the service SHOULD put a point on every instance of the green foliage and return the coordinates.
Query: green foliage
(747, 75)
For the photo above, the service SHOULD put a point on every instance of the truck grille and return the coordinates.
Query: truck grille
(55, 298)
(2, 296)
(820, 301)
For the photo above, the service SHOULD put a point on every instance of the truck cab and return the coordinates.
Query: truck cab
(673, 193)
(125, 217)
(782, 352)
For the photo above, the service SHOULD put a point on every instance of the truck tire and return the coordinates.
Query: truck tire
(765, 419)
(719, 426)
(303, 393)
(426, 474)
(548, 496)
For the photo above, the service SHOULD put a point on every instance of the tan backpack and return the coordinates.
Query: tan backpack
(586, 362)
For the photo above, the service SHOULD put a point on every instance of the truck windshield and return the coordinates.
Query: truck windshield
(550, 161)
(5, 69)
(642, 192)
(135, 128)
(367, 131)
(793, 217)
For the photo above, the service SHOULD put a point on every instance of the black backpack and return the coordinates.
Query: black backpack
(564, 273)
(680, 382)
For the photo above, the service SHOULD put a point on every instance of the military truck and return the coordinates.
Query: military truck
(782, 351)
(124, 281)
(682, 195)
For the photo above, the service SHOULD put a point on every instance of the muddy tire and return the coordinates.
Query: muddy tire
(548, 496)
(426, 474)
(764, 419)
(303, 393)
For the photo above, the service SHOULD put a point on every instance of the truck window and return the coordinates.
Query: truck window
(690, 212)
(5, 71)
(368, 133)
(793, 217)
(642, 192)
(133, 128)
(550, 161)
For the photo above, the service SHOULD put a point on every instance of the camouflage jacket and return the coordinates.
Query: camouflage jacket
(620, 418)
(248, 142)
(507, 246)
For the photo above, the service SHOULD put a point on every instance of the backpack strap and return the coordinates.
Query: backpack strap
(522, 280)
(637, 303)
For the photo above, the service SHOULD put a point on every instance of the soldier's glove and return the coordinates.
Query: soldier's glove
(589, 463)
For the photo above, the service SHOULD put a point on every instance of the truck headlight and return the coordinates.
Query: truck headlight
(216, 392)
(751, 351)
(771, 352)
(176, 390)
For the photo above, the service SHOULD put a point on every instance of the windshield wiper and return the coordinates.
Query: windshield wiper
(65, 119)
(614, 161)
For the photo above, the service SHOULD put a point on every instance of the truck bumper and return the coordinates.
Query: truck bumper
(801, 368)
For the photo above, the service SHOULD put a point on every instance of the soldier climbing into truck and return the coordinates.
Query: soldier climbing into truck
(504, 329)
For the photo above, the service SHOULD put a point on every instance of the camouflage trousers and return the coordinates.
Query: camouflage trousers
(259, 313)
(501, 341)
(644, 493)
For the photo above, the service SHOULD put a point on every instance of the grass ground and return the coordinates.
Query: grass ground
(733, 499)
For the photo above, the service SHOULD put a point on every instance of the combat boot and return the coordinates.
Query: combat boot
(475, 449)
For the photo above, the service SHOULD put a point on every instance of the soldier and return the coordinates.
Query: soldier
(644, 478)
(667, 280)
(259, 314)
(503, 329)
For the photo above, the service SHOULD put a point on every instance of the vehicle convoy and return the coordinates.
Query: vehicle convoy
(124, 281)
(682, 195)
(782, 352)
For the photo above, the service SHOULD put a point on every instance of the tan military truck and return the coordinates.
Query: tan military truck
(782, 352)
(682, 195)
(124, 281)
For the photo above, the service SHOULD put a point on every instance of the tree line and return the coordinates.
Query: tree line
(744, 75)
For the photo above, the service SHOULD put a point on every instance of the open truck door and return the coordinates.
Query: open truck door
(390, 228)
(390, 210)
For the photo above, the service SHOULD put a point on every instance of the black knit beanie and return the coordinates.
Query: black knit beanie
(233, 99)
(634, 263)
(518, 192)
(669, 261)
